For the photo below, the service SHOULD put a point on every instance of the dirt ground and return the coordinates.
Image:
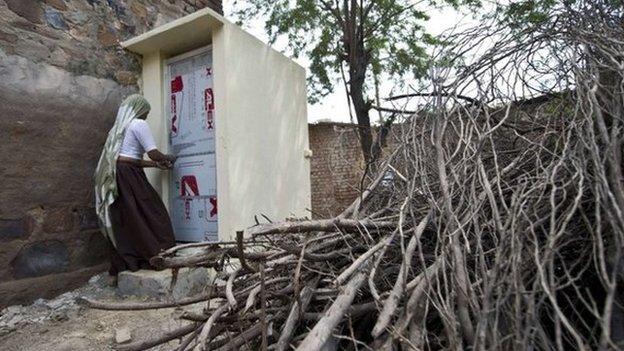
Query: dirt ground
(61, 324)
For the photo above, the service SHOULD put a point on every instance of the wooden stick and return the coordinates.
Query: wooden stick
(296, 312)
(346, 273)
(204, 260)
(263, 308)
(323, 225)
(321, 332)
(241, 252)
(242, 338)
(138, 306)
(229, 286)
(187, 341)
(251, 299)
(198, 317)
(163, 338)
(205, 333)
(398, 289)
(355, 311)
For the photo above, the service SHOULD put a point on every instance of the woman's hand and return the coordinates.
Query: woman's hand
(172, 159)
(164, 165)
(158, 156)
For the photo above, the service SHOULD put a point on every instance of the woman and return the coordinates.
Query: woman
(130, 211)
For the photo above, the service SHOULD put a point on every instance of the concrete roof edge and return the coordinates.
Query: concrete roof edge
(206, 12)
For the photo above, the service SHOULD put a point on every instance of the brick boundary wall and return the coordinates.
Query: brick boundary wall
(336, 167)
(62, 77)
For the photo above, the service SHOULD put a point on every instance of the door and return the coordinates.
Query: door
(193, 183)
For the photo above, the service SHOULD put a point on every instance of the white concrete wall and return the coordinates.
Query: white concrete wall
(262, 134)
(152, 86)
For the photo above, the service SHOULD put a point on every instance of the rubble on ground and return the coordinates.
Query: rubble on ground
(57, 309)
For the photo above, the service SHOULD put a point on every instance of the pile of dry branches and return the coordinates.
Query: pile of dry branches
(496, 222)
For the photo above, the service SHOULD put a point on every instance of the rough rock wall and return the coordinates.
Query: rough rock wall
(62, 76)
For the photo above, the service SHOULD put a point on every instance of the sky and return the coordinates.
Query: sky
(334, 106)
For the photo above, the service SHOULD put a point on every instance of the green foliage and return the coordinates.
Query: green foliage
(393, 34)
(531, 13)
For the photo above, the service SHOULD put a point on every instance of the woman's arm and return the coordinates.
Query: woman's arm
(148, 163)
(158, 156)
(144, 135)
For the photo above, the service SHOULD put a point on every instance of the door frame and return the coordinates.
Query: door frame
(186, 55)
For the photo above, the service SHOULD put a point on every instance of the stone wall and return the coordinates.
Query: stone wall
(336, 167)
(62, 76)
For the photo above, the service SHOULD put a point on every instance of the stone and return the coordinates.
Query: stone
(51, 35)
(57, 4)
(11, 311)
(21, 23)
(117, 6)
(11, 229)
(16, 321)
(28, 9)
(40, 258)
(8, 252)
(34, 220)
(156, 284)
(59, 219)
(95, 279)
(90, 248)
(8, 37)
(77, 17)
(87, 218)
(21, 291)
(32, 49)
(12, 317)
(138, 10)
(65, 300)
(55, 19)
(127, 28)
(59, 57)
(107, 37)
(81, 67)
(122, 335)
(73, 344)
(59, 316)
(126, 77)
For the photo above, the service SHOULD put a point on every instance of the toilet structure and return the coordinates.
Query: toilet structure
(234, 112)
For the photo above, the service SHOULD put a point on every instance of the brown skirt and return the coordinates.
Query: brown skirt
(141, 224)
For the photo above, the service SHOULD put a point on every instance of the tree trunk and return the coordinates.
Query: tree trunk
(357, 59)
(361, 107)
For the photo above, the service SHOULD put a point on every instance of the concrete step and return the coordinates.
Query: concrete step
(157, 284)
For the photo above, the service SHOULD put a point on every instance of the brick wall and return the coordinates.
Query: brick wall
(62, 77)
(336, 167)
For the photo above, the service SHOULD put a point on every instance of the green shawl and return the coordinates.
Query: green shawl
(105, 174)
